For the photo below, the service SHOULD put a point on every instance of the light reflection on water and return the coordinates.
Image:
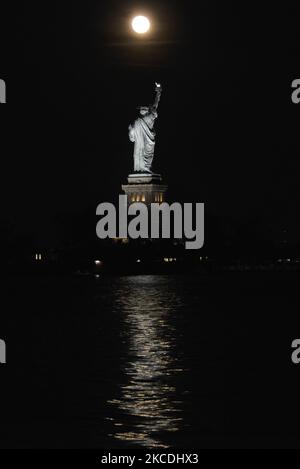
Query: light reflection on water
(148, 399)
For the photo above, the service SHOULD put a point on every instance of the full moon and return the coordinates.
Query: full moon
(140, 24)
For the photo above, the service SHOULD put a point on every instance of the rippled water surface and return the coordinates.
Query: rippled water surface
(149, 403)
(139, 361)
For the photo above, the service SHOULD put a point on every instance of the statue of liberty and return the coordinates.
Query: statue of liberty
(142, 134)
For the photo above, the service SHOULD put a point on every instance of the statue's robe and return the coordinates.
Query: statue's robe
(143, 136)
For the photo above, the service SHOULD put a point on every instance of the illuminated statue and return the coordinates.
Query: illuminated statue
(143, 135)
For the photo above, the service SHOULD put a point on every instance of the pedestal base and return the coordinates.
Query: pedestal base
(145, 188)
(144, 178)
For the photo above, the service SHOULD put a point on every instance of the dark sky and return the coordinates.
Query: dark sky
(227, 133)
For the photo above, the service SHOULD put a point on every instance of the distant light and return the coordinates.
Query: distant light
(97, 262)
(97, 275)
(166, 259)
(140, 24)
(138, 260)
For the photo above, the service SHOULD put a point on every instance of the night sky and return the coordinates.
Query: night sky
(227, 133)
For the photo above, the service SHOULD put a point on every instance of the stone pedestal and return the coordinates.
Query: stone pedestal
(143, 187)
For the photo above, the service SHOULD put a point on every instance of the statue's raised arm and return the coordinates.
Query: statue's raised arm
(158, 91)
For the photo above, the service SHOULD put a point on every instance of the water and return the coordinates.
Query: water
(146, 362)
(148, 404)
